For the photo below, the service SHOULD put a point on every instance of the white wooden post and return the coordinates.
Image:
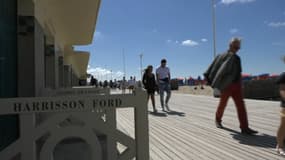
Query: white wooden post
(27, 125)
(141, 126)
(111, 142)
(85, 108)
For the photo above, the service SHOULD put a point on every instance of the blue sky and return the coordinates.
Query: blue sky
(181, 32)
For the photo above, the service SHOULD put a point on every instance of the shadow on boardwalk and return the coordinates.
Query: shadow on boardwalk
(158, 114)
(181, 114)
(165, 114)
(260, 140)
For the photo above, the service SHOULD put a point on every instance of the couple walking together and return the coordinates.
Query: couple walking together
(162, 80)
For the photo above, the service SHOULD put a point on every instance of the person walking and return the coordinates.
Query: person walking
(281, 129)
(225, 74)
(131, 84)
(199, 83)
(123, 85)
(150, 85)
(92, 81)
(163, 81)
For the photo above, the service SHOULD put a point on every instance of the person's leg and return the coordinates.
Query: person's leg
(281, 133)
(240, 105)
(153, 102)
(201, 84)
(133, 88)
(168, 95)
(161, 93)
(222, 104)
(148, 95)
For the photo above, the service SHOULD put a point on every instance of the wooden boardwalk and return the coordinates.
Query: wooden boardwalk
(189, 131)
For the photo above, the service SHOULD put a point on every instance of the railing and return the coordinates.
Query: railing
(95, 117)
(75, 91)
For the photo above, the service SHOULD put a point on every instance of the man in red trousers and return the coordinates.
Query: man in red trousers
(227, 78)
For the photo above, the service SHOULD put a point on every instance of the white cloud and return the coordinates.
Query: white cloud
(103, 73)
(169, 41)
(233, 30)
(119, 74)
(235, 1)
(176, 42)
(190, 43)
(276, 24)
(98, 71)
(204, 40)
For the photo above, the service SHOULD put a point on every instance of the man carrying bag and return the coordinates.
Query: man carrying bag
(225, 74)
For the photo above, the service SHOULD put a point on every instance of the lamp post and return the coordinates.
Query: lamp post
(214, 26)
(141, 55)
(216, 91)
(124, 63)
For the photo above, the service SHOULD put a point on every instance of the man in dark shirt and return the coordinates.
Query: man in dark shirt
(281, 129)
(234, 90)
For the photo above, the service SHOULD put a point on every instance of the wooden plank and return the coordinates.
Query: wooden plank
(195, 136)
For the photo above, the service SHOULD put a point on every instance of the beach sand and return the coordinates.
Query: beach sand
(208, 91)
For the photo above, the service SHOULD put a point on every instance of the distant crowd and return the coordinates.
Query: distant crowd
(120, 84)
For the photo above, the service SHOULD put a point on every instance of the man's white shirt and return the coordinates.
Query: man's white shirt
(132, 82)
(163, 72)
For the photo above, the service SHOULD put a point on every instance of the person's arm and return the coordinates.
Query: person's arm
(235, 69)
(169, 77)
(144, 79)
(157, 76)
(154, 79)
(282, 91)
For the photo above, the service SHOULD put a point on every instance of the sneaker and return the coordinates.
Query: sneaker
(219, 125)
(280, 151)
(163, 108)
(248, 131)
(154, 110)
